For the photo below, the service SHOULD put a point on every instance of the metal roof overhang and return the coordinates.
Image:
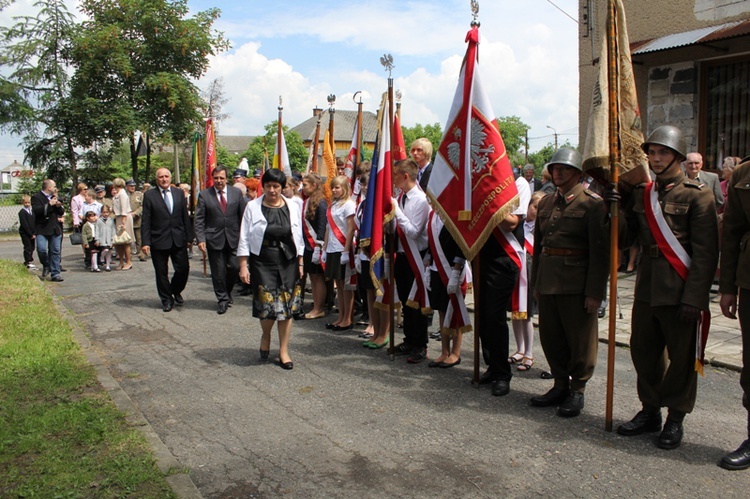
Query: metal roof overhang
(694, 37)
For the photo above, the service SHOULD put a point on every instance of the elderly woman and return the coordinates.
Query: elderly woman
(270, 253)
(123, 221)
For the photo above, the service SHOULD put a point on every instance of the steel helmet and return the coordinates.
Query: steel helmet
(667, 136)
(567, 157)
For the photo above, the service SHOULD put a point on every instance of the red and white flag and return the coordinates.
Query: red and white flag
(472, 185)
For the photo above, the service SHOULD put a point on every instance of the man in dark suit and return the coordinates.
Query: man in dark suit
(694, 170)
(165, 229)
(217, 229)
(534, 183)
(47, 208)
(421, 153)
(26, 230)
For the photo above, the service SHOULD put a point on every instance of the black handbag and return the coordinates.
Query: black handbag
(76, 239)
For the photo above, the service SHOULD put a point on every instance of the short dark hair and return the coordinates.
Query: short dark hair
(219, 169)
(273, 175)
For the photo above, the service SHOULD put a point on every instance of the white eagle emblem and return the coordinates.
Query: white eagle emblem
(478, 154)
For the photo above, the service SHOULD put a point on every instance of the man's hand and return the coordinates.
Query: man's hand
(146, 250)
(591, 305)
(688, 313)
(202, 247)
(728, 304)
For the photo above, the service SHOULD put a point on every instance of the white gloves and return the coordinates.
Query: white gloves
(344, 257)
(427, 276)
(454, 282)
(316, 255)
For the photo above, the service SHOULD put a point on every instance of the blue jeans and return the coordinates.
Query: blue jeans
(48, 250)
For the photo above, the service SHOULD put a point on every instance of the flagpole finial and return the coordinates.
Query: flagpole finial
(475, 13)
(387, 62)
(331, 102)
(398, 96)
(354, 97)
(280, 104)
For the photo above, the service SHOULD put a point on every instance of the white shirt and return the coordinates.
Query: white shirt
(413, 217)
(169, 195)
(340, 213)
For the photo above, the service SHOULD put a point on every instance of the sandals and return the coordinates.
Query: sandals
(526, 364)
(516, 358)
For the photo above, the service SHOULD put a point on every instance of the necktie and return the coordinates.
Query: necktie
(222, 202)
(168, 202)
(402, 201)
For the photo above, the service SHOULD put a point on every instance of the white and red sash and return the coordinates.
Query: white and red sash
(307, 228)
(456, 319)
(350, 273)
(517, 253)
(418, 297)
(678, 258)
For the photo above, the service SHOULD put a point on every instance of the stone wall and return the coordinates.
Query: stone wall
(673, 99)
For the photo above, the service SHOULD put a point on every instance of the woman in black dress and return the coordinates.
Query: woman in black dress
(270, 254)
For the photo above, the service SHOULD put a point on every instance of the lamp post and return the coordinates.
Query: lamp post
(555, 133)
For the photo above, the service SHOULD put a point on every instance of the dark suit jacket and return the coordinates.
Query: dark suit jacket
(161, 230)
(25, 223)
(214, 227)
(45, 216)
(425, 177)
(535, 185)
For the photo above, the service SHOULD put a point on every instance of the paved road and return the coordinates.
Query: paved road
(347, 421)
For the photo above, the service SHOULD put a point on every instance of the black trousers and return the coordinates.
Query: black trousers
(225, 271)
(497, 279)
(415, 322)
(165, 287)
(28, 249)
(743, 312)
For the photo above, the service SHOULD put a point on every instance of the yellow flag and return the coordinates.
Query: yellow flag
(330, 160)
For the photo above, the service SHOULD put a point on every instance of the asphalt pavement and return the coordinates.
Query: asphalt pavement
(349, 421)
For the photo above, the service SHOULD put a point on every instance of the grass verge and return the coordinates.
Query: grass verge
(60, 433)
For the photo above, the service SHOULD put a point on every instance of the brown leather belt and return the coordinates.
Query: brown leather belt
(563, 252)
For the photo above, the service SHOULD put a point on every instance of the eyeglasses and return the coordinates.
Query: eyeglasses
(417, 149)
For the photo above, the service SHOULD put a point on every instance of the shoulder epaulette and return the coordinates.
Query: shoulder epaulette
(693, 183)
(592, 194)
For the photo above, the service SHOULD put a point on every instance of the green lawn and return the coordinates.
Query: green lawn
(60, 434)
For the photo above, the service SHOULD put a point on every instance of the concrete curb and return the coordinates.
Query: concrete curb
(177, 476)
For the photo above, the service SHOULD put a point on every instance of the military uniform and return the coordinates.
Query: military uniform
(735, 280)
(657, 333)
(136, 205)
(571, 254)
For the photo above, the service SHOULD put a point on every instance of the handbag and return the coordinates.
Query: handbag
(122, 238)
(76, 239)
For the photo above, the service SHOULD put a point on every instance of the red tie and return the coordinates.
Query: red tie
(222, 202)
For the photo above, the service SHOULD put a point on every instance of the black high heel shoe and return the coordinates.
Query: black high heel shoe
(287, 365)
(264, 354)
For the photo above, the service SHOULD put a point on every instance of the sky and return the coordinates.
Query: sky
(304, 50)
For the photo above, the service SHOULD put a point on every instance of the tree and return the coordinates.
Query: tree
(298, 153)
(513, 131)
(215, 100)
(432, 132)
(542, 156)
(136, 60)
(35, 97)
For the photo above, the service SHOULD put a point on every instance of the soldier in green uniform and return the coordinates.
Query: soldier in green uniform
(674, 219)
(735, 276)
(136, 204)
(569, 272)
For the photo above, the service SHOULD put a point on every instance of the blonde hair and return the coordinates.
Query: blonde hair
(343, 182)
(25, 197)
(118, 182)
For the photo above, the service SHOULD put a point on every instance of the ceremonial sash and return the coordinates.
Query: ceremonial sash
(350, 273)
(307, 229)
(680, 261)
(418, 297)
(517, 253)
(456, 319)
(335, 228)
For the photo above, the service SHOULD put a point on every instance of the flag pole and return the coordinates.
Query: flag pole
(357, 160)
(314, 145)
(614, 160)
(279, 131)
(331, 116)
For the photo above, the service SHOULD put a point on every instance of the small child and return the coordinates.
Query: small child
(90, 243)
(91, 204)
(105, 231)
(523, 329)
(26, 229)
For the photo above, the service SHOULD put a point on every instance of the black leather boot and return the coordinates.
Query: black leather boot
(740, 458)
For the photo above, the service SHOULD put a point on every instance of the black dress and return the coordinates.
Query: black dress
(274, 273)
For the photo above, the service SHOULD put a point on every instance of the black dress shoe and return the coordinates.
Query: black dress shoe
(178, 299)
(739, 459)
(167, 306)
(264, 354)
(643, 422)
(56, 278)
(486, 378)
(231, 300)
(671, 435)
(287, 365)
(500, 387)
(221, 308)
(572, 405)
(555, 396)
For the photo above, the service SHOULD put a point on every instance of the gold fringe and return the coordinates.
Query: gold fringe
(519, 315)
(449, 332)
(426, 310)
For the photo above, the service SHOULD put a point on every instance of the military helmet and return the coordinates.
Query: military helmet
(667, 136)
(567, 157)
